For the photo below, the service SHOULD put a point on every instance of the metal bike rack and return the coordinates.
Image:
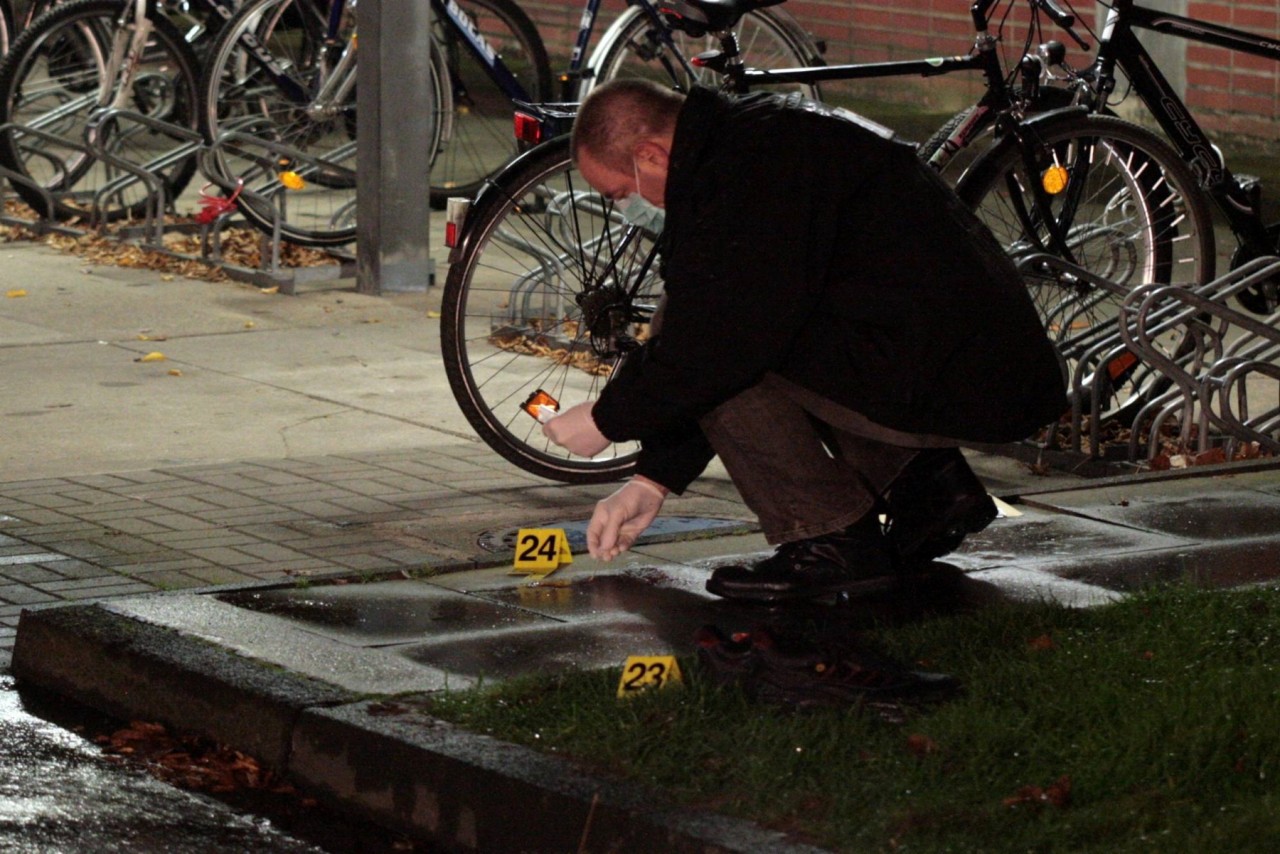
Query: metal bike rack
(1228, 347)
(39, 226)
(271, 195)
(1197, 387)
(157, 202)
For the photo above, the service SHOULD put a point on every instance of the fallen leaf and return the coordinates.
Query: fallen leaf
(433, 314)
(1211, 456)
(14, 294)
(1040, 643)
(174, 372)
(921, 745)
(154, 356)
(1057, 794)
(249, 324)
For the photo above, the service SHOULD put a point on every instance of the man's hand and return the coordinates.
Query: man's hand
(575, 431)
(622, 517)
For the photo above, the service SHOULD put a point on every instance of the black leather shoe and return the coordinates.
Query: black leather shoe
(934, 504)
(856, 558)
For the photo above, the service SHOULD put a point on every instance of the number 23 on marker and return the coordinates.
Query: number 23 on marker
(642, 672)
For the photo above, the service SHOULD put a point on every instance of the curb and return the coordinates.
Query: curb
(382, 759)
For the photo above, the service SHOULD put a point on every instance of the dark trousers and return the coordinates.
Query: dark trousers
(803, 464)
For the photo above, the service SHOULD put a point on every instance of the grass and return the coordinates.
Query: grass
(1148, 725)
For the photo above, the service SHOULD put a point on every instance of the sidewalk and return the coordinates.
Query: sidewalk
(171, 539)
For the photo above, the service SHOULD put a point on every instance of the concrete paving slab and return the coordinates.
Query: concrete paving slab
(1042, 539)
(288, 644)
(1231, 508)
(384, 613)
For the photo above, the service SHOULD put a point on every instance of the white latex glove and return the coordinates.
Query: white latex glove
(622, 517)
(575, 431)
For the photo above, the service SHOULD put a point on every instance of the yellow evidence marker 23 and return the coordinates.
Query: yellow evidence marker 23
(642, 672)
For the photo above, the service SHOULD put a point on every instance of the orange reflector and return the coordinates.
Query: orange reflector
(540, 405)
(528, 129)
(1120, 365)
(1054, 180)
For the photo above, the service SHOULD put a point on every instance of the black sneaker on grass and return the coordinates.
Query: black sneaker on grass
(804, 676)
(725, 659)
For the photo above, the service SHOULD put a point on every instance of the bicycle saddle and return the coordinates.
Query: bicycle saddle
(697, 17)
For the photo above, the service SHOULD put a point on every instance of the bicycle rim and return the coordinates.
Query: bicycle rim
(545, 286)
(295, 154)
(480, 139)
(53, 80)
(767, 39)
(1131, 212)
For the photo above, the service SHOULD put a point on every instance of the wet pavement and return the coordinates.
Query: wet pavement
(59, 792)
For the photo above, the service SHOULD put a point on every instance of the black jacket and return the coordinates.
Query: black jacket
(809, 242)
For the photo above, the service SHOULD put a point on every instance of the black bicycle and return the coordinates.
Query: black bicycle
(549, 288)
(1238, 198)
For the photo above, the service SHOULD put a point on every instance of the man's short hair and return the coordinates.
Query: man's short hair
(618, 115)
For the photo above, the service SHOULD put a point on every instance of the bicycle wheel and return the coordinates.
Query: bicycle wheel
(632, 47)
(280, 101)
(479, 139)
(549, 289)
(1107, 196)
(54, 77)
(6, 26)
(951, 157)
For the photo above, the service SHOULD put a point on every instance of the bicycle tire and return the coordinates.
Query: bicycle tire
(953, 163)
(314, 200)
(768, 38)
(1132, 212)
(517, 314)
(52, 78)
(6, 25)
(480, 140)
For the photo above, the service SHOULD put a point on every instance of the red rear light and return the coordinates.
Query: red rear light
(528, 129)
(455, 215)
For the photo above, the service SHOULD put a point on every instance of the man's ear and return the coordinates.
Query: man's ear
(653, 153)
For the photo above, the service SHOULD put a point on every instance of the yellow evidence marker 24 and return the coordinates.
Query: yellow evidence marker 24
(540, 551)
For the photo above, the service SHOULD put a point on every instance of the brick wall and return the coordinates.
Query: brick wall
(1229, 92)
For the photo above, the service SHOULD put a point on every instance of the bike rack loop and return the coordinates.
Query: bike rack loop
(1226, 347)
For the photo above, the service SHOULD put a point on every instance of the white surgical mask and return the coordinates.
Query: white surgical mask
(639, 211)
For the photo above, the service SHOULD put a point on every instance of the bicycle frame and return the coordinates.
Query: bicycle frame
(997, 95)
(449, 13)
(1119, 46)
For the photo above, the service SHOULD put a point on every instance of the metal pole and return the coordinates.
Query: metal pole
(394, 115)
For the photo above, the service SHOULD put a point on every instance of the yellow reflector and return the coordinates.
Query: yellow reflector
(1054, 180)
(292, 180)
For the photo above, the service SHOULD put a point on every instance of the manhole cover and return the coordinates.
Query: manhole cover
(663, 529)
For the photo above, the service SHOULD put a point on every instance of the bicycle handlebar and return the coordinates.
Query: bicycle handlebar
(1062, 18)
